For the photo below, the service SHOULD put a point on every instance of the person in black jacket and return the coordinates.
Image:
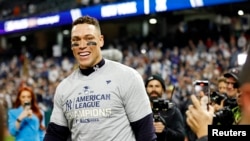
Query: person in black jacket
(199, 119)
(171, 125)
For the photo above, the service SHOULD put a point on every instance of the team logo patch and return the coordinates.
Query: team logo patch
(86, 90)
(108, 81)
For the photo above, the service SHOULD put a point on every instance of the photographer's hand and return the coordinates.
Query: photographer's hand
(217, 107)
(159, 127)
(198, 119)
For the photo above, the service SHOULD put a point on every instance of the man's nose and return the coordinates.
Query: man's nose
(230, 86)
(153, 88)
(83, 44)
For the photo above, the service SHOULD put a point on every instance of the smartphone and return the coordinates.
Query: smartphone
(27, 104)
(202, 91)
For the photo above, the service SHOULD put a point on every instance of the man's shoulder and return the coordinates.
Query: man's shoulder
(122, 68)
(115, 63)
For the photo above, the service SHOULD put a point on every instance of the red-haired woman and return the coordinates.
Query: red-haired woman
(25, 120)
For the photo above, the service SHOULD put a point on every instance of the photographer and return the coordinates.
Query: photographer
(232, 83)
(169, 124)
(219, 95)
(199, 119)
(222, 85)
(226, 105)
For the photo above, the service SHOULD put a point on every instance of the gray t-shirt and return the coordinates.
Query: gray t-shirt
(100, 107)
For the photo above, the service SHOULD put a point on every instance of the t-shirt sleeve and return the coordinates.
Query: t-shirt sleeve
(136, 101)
(57, 115)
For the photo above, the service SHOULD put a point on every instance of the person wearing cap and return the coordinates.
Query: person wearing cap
(232, 82)
(171, 127)
(199, 119)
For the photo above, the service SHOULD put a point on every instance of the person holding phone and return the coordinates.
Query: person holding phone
(25, 120)
(199, 119)
(202, 90)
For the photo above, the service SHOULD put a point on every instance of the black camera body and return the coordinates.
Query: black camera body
(225, 116)
(160, 105)
(217, 97)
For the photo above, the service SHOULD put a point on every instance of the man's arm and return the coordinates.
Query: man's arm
(143, 130)
(177, 130)
(57, 128)
(137, 107)
(56, 133)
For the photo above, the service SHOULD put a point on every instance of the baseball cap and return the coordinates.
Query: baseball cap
(156, 77)
(234, 72)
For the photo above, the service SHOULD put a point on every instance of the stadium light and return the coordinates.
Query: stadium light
(23, 38)
(241, 58)
(65, 32)
(240, 12)
(152, 21)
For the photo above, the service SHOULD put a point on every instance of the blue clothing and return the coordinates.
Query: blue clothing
(29, 129)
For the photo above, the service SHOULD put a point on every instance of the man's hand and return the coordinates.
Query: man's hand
(159, 127)
(198, 119)
(218, 107)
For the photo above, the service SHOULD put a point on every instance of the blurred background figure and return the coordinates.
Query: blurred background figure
(232, 81)
(222, 85)
(25, 120)
(113, 54)
(199, 119)
(244, 96)
(2, 121)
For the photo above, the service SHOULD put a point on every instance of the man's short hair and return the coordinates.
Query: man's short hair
(87, 20)
(222, 79)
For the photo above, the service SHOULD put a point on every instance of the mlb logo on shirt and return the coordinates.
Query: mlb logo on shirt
(86, 89)
(108, 81)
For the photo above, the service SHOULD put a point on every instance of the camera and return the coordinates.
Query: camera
(225, 116)
(160, 105)
(217, 97)
(231, 103)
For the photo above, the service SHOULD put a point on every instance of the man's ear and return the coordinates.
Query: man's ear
(101, 40)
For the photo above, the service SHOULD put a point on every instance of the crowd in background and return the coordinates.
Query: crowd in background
(179, 67)
(23, 8)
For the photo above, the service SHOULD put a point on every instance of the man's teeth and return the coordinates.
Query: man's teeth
(84, 53)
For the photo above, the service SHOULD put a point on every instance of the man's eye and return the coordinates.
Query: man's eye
(89, 38)
(74, 44)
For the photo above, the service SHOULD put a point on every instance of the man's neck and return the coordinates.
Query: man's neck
(90, 70)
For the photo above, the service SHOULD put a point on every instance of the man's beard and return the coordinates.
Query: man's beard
(154, 95)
